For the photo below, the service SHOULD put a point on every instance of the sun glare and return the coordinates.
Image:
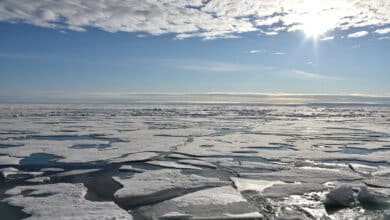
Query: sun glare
(316, 21)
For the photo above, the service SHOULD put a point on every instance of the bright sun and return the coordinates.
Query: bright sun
(315, 22)
(313, 26)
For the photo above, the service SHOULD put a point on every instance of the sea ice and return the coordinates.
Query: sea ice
(251, 184)
(158, 185)
(8, 160)
(13, 173)
(197, 163)
(62, 201)
(76, 172)
(216, 203)
(40, 179)
(135, 157)
(130, 168)
(306, 175)
(172, 164)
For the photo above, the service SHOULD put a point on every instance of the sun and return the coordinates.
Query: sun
(313, 26)
(316, 21)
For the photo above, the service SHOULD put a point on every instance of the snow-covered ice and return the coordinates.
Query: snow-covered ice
(216, 203)
(62, 201)
(153, 186)
(282, 159)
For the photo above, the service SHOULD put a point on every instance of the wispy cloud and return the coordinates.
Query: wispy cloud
(256, 51)
(279, 53)
(327, 38)
(203, 66)
(357, 34)
(212, 97)
(271, 33)
(382, 31)
(306, 75)
(213, 66)
(197, 18)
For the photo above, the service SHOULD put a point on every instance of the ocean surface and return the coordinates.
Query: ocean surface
(194, 161)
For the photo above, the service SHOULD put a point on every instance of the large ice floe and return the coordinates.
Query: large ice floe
(159, 185)
(195, 161)
(62, 201)
(216, 203)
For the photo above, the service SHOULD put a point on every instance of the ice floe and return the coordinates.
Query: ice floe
(158, 185)
(216, 203)
(135, 157)
(130, 168)
(282, 159)
(197, 163)
(251, 184)
(52, 169)
(13, 173)
(62, 201)
(306, 175)
(172, 164)
(8, 160)
(40, 179)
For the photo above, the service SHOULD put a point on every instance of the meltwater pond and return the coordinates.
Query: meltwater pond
(152, 161)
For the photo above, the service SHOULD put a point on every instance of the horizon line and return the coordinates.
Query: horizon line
(196, 98)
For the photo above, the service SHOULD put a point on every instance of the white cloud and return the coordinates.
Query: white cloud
(382, 31)
(279, 53)
(257, 51)
(197, 18)
(271, 33)
(212, 66)
(204, 66)
(211, 97)
(306, 75)
(357, 34)
(327, 38)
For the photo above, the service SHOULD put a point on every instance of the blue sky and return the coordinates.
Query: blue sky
(44, 50)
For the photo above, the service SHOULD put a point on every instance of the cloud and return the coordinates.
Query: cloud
(357, 34)
(279, 53)
(197, 18)
(211, 97)
(327, 38)
(212, 66)
(382, 31)
(306, 75)
(255, 51)
(271, 33)
(204, 66)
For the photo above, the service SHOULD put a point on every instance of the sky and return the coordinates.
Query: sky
(75, 47)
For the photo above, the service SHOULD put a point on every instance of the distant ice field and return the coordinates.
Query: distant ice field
(167, 161)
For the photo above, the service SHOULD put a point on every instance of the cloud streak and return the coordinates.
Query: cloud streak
(196, 18)
(307, 75)
(212, 66)
(215, 97)
(327, 38)
(203, 66)
(382, 31)
(357, 34)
